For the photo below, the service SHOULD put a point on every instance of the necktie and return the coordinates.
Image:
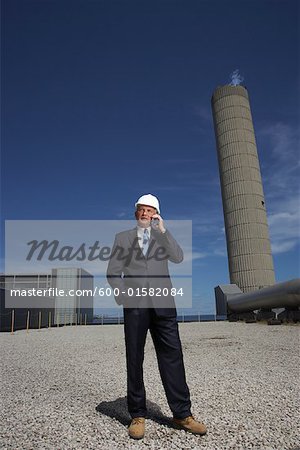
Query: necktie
(145, 241)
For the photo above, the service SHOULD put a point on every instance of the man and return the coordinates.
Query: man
(137, 276)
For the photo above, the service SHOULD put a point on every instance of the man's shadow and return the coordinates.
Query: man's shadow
(117, 409)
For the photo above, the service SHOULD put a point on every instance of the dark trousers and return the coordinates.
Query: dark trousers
(165, 336)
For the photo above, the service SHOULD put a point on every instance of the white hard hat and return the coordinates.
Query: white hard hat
(148, 200)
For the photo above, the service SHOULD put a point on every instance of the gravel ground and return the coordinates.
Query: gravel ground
(65, 388)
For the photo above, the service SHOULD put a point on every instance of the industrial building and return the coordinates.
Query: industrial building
(252, 280)
(247, 235)
(66, 309)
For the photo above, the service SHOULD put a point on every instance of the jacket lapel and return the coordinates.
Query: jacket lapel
(132, 235)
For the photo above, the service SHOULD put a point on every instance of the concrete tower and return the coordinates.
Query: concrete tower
(247, 235)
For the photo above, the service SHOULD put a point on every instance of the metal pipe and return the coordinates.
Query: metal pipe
(281, 295)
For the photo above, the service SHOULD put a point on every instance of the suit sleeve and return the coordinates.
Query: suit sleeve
(114, 273)
(171, 246)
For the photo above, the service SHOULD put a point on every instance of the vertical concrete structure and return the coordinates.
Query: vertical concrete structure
(247, 235)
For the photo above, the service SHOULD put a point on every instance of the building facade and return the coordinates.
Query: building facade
(74, 306)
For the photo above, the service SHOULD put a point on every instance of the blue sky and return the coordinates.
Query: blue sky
(102, 101)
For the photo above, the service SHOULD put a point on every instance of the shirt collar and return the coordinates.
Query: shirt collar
(140, 230)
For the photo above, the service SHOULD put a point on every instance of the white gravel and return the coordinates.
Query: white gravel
(65, 388)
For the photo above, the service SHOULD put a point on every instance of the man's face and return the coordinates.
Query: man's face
(143, 215)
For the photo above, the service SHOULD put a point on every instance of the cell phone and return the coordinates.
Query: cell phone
(154, 223)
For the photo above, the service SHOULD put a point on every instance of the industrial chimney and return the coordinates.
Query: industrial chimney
(247, 235)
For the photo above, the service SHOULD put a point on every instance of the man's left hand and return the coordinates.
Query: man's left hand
(160, 225)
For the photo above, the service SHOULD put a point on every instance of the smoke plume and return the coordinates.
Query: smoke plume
(236, 78)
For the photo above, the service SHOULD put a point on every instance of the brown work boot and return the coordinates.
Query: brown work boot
(136, 429)
(190, 424)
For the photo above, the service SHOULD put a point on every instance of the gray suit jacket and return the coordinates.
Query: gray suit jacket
(129, 271)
